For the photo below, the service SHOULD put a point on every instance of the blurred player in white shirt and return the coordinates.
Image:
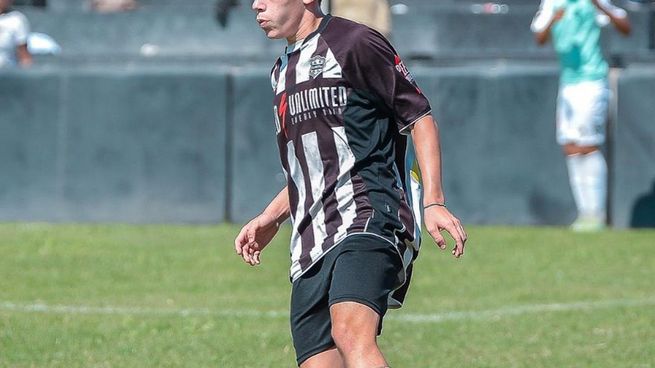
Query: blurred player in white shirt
(14, 32)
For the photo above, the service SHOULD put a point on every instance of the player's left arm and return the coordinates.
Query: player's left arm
(617, 16)
(381, 71)
(425, 134)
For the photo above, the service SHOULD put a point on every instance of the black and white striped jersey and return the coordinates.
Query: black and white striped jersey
(343, 99)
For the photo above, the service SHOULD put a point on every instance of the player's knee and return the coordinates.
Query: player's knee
(351, 337)
(343, 334)
(576, 149)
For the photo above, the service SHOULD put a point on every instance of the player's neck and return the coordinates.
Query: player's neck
(309, 23)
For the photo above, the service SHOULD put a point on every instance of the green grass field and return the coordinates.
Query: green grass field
(176, 296)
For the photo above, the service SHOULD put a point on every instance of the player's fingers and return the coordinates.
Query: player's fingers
(458, 249)
(461, 231)
(454, 230)
(438, 238)
(245, 253)
(242, 249)
(253, 252)
(256, 257)
(240, 241)
(248, 249)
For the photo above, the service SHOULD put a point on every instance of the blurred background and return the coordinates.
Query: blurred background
(159, 111)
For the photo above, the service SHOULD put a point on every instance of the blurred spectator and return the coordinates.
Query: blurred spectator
(14, 31)
(582, 104)
(223, 8)
(109, 6)
(373, 13)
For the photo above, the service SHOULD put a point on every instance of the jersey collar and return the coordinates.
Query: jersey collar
(296, 46)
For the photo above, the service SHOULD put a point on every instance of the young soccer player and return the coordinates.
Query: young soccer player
(344, 104)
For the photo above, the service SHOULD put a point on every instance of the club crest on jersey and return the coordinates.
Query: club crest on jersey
(316, 66)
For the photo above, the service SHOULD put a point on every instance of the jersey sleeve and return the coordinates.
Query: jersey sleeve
(22, 30)
(543, 16)
(602, 19)
(376, 68)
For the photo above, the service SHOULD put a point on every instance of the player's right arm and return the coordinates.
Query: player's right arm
(544, 20)
(23, 55)
(256, 234)
(617, 16)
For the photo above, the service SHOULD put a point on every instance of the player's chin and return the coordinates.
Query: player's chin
(272, 33)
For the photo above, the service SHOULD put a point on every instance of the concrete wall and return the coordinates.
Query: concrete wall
(633, 151)
(257, 172)
(180, 144)
(501, 164)
(120, 146)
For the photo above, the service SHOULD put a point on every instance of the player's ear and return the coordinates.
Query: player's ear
(309, 2)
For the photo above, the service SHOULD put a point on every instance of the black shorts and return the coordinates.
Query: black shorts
(363, 269)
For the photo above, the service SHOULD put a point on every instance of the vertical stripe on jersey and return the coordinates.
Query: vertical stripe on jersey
(275, 75)
(405, 208)
(321, 48)
(303, 65)
(328, 150)
(290, 72)
(332, 68)
(344, 190)
(299, 182)
(282, 78)
(415, 191)
(317, 183)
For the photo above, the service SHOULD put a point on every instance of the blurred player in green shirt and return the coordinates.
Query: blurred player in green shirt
(582, 105)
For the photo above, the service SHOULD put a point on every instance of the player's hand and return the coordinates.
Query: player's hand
(254, 237)
(438, 218)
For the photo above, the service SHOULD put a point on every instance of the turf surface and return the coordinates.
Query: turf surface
(176, 296)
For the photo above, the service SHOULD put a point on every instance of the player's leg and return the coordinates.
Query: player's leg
(354, 329)
(582, 113)
(310, 317)
(330, 358)
(566, 136)
(366, 271)
(588, 173)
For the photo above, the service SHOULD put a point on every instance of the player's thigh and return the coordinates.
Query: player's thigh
(565, 116)
(582, 114)
(366, 270)
(591, 112)
(310, 314)
(354, 323)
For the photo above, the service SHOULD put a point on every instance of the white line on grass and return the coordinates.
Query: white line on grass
(82, 309)
(491, 314)
(494, 314)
